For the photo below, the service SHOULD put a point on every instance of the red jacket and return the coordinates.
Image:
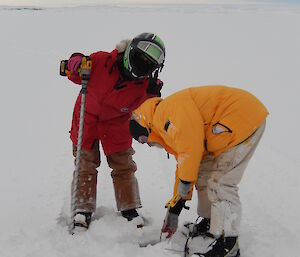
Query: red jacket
(109, 103)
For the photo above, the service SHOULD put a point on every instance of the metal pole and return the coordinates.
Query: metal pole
(85, 69)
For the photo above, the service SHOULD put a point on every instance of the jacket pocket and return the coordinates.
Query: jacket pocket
(218, 137)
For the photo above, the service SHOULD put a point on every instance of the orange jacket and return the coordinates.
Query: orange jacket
(198, 120)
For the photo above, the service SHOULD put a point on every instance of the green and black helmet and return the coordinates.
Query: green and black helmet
(145, 54)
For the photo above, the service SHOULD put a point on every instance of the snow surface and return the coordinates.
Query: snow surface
(253, 47)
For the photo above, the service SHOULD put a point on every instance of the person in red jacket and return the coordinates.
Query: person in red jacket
(119, 82)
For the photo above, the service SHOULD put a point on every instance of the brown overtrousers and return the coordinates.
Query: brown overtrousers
(124, 180)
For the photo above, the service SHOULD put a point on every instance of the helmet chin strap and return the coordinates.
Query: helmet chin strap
(154, 73)
(161, 67)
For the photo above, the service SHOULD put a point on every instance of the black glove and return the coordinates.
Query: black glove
(171, 220)
(170, 224)
(154, 85)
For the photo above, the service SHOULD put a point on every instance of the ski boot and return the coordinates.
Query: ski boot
(193, 230)
(133, 216)
(220, 247)
(82, 221)
(200, 228)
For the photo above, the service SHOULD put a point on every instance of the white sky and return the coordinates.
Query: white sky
(52, 3)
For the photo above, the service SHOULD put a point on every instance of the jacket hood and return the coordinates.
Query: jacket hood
(144, 113)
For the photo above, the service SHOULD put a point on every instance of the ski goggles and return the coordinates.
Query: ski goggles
(152, 50)
(140, 63)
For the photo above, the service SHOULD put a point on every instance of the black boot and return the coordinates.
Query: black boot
(130, 214)
(133, 216)
(201, 228)
(82, 220)
(222, 247)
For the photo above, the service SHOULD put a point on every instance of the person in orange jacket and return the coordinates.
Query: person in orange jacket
(213, 132)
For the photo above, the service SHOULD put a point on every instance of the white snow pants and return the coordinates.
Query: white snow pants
(217, 186)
